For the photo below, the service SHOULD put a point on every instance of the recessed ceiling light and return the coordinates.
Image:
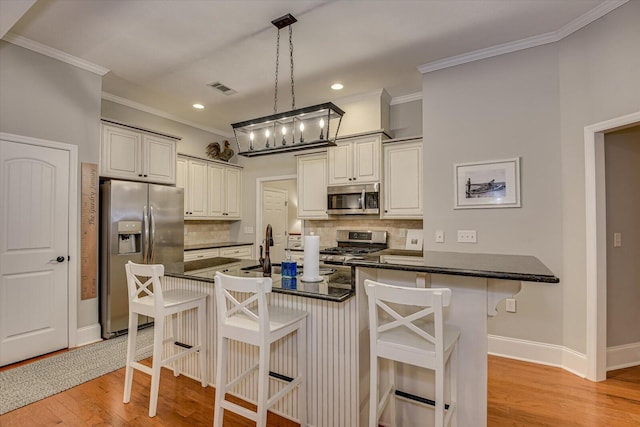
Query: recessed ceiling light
(198, 106)
(337, 86)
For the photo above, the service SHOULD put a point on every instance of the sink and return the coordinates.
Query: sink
(277, 269)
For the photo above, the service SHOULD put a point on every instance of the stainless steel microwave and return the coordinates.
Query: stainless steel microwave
(361, 199)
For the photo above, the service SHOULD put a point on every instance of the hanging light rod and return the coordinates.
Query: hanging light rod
(298, 129)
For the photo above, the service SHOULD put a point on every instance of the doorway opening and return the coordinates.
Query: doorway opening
(277, 204)
(596, 249)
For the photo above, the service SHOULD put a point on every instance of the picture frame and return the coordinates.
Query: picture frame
(488, 184)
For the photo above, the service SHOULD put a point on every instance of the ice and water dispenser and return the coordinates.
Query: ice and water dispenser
(129, 236)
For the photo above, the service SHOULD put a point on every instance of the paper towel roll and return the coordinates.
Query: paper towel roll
(311, 269)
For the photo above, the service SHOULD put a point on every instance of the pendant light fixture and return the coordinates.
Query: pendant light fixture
(294, 130)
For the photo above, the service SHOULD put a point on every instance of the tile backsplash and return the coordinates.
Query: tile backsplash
(197, 232)
(327, 229)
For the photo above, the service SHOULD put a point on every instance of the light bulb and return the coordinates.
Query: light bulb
(301, 130)
(267, 133)
(301, 127)
(251, 136)
(284, 130)
(321, 123)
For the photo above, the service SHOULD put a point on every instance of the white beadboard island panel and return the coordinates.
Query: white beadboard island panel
(332, 349)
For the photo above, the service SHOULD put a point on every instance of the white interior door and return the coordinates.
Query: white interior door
(34, 248)
(274, 212)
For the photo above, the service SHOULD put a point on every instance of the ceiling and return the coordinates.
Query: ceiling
(163, 53)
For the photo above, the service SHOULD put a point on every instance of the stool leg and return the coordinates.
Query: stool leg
(221, 381)
(453, 387)
(202, 340)
(439, 374)
(174, 330)
(263, 384)
(392, 397)
(302, 372)
(373, 391)
(131, 355)
(158, 333)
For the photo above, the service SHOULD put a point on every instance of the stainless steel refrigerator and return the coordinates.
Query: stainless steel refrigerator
(143, 223)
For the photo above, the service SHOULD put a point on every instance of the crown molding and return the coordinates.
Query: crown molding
(539, 40)
(147, 109)
(55, 53)
(406, 98)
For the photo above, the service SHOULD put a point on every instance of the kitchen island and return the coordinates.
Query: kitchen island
(478, 283)
(338, 335)
(332, 346)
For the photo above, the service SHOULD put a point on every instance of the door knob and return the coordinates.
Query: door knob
(59, 259)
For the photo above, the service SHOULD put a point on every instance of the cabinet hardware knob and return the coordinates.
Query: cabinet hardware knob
(145, 175)
(139, 174)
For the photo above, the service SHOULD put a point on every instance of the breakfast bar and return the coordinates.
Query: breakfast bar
(478, 283)
(338, 336)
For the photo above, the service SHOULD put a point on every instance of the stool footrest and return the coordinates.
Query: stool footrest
(241, 410)
(419, 399)
(285, 390)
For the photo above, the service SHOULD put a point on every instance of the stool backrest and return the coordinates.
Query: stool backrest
(430, 302)
(230, 301)
(149, 288)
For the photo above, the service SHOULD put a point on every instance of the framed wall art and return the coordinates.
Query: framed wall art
(490, 184)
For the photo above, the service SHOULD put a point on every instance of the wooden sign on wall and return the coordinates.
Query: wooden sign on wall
(89, 232)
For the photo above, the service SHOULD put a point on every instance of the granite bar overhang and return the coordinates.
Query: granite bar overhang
(337, 287)
(492, 266)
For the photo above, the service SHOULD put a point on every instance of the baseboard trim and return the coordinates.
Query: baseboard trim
(540, 353)
(88, 334)
(623, 356)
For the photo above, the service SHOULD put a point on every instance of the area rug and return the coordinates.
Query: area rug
(32, 382)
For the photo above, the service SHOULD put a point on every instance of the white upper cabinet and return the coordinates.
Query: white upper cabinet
(402, 184)
(137, 155)
(224, 187)
(211, 189)
(192, 176)
(355, 160)
(312, 186)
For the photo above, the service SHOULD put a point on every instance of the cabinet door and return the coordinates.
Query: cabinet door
(197, 188)
(340, 164)
(159, 159)
(121, 153)
(216, 184)
(182, 181)
(233, 188)
(403, 180)
(366, 160)
(312, 186)
(242, 252)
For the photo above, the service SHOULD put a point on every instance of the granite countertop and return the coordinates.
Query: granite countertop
(493, 266)
(337, 284)
(214, 245)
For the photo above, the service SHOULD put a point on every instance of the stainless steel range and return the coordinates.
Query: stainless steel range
(353, 244)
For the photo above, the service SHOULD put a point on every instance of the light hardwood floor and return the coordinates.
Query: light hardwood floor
(520, 394)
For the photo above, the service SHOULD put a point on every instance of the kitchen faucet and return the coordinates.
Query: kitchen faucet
(266, 261)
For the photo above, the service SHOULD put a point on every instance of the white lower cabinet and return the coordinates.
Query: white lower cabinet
(201, 254)
(242, 252)
(402, 183)
(312, 186)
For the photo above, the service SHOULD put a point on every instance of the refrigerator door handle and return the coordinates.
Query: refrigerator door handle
(145, 245)
(152, 241)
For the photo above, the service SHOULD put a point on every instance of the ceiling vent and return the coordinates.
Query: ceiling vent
(222, 88)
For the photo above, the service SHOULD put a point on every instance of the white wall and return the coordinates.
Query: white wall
(44, 98)
(532, 104)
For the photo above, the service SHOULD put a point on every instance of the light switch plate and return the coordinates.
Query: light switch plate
(510, 306)
(439, 236)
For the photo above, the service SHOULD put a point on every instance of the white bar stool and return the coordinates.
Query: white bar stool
(147, 299)
(251, 320)
(420, 339)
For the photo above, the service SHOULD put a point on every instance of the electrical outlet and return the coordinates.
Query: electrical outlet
(467, 236)
(439, 236)
(617, 240)
(511, 305)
